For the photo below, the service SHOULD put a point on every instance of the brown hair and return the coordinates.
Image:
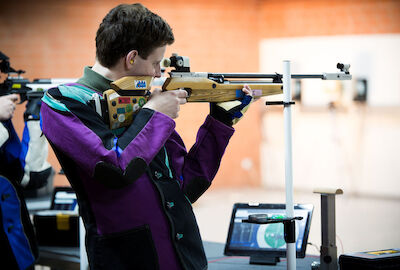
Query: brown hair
(130, 27)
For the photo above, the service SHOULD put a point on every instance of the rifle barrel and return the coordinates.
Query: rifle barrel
(244, 75)
(307, 76)
(265, 76)
(248, 82)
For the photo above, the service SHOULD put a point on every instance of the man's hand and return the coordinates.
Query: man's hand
(167, 102)
(231, 112)
(7, 106)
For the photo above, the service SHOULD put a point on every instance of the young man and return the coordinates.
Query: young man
(135, 188)
(18, 247)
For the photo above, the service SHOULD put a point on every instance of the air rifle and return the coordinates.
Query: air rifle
(27, 90)
(129, 94)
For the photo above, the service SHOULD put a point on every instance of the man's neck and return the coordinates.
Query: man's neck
(111, 74)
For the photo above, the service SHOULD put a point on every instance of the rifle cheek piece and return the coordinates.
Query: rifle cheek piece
(127, 96)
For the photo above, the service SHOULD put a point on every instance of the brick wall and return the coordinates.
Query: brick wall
(53, 39)
(293, 18)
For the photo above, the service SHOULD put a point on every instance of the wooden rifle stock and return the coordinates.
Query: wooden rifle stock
(130, 93)
(201, 89)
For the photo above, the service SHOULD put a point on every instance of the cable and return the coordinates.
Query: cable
(341, 243)
(314, 245)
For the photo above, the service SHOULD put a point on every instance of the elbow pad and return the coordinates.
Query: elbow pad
(114, 178)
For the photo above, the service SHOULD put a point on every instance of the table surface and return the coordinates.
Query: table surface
(68, 258)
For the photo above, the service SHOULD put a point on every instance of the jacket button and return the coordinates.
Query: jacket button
(157, 174)
(179, 236)
(170, 204)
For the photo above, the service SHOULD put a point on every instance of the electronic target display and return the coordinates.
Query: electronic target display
(248, 239)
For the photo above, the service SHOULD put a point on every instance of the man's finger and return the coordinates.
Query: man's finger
(247, 90)
(182, 101)
(156, 91)
(182, 93)
(13, 97)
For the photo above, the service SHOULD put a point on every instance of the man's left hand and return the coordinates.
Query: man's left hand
(230, 112)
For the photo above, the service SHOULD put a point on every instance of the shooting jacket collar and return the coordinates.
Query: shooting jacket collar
(94, 80)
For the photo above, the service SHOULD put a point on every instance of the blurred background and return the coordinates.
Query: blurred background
(345, 133)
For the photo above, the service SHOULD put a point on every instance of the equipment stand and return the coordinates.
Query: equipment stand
(287, 118)
(328, 257)
(289, 228)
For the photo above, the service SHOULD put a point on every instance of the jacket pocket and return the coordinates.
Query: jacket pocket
(132, 249)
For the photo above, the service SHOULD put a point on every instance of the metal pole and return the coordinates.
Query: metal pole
(287, 118)
(328, 258)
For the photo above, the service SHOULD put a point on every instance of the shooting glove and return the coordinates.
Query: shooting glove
(230, 112)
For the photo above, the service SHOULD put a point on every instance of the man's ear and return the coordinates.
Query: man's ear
(131, 58)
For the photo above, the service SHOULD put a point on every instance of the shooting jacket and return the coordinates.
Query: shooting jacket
(134, 189)
(18, 247)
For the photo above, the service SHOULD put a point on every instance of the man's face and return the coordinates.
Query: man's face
(149, 66)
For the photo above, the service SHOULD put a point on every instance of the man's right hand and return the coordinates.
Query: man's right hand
(167, 102)
(7, 106)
